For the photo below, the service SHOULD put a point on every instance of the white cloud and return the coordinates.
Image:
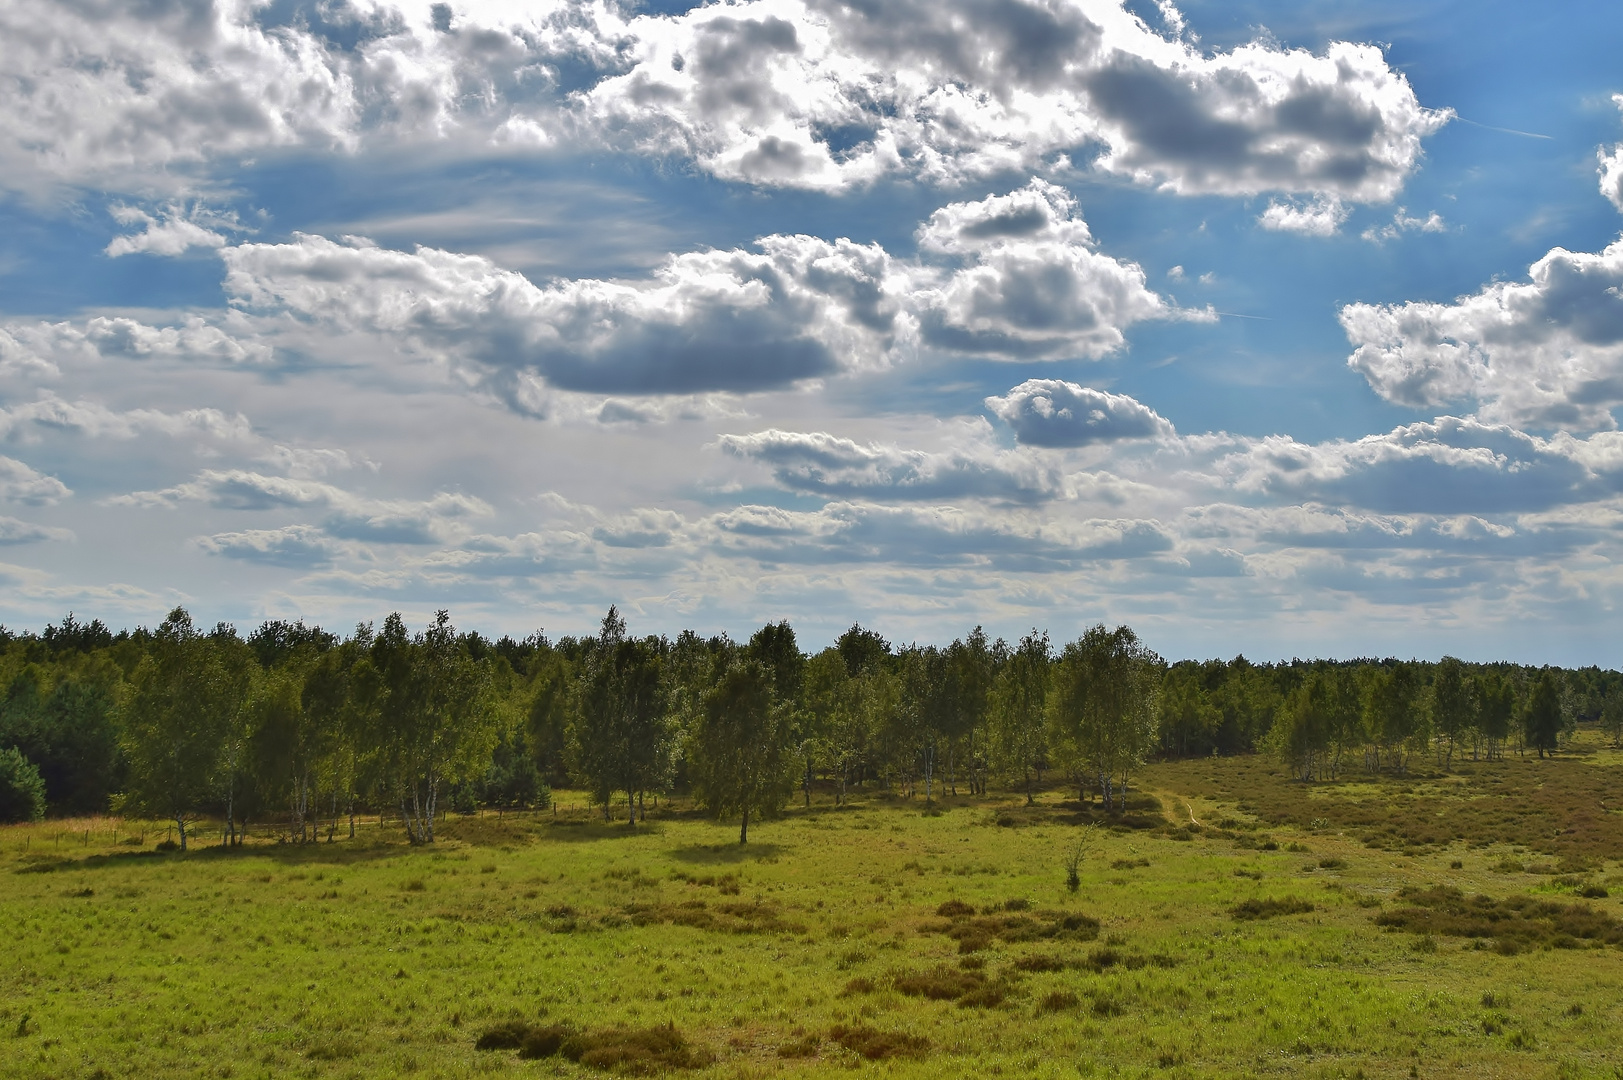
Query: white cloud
(349, 516)
(830, 465)
(815, 93)
(1611, 167)
(1449, 466)
(293, 546)
(94, 420)
(1052, 412)
(1011, 276)
(13, 531)
(1029, 284)
(825, 94)
(1320, 217)
(798, 309)
(19, 483)
(175, 230)
(1547, 353)
(39, 348)
(1403, 222)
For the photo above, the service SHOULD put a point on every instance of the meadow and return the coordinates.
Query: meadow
(1234, 922)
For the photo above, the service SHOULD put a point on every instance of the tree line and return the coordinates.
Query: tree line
(296, 730)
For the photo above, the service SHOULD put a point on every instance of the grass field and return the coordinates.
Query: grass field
(1236, 924)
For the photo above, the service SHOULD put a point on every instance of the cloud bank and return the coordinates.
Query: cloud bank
(810, 93)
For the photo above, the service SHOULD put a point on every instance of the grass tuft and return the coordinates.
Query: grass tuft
(1267, 909)
(876, 1045)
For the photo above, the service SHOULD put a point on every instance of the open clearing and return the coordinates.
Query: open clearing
(1236, 923)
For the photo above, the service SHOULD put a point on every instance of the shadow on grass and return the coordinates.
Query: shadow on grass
(341, 853)
(726, 854)
(575, 832)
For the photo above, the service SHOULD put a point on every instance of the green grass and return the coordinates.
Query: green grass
(877, 938)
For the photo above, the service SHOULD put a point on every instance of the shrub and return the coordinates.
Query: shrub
(803, 1047)
(637, 1051)
(953, 909)
(1267, 909)
(1040, 962)
(876, 1045)
(22, 792)
(1512, 924)
(1058, 1001)
(939, 983)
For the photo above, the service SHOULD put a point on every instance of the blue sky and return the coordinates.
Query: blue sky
(1290, 329)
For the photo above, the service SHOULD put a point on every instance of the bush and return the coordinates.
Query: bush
(22, 792)
(876, 1045)
(1267, 909)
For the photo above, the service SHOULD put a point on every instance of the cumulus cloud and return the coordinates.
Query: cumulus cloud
(13, 531)
(293, 546)
(816, 93)
(829, 465)
(1611, 167)
(1547, 353)
(1055, 413)
(796, 309)
(40, 348)
(1449, 466)
(349, 517)
(826, 92)
(174, 230)
(20, 483)
(1402, 222)
(1011, 276)
(93, 420)
(1029, 283)
(1321, 217)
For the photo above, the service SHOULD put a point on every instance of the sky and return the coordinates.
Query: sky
(1284, 329)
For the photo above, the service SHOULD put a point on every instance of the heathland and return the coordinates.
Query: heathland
(1230, 920)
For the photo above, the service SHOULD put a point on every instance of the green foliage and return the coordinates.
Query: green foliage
(740, 749)
(22, 791)
(622, 738)
(1106, 686)
(1541, 721)
(185, 698)
(1019, 710)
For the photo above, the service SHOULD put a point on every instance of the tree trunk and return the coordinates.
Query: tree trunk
(744, 826)
(180, 826)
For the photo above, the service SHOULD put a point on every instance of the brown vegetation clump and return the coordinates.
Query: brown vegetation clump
(633, 1051)
(1512, 924)
(1550, 805)
(803, 1047)
(1009, 922)
(1058, 1001)
(1267, 909)
(940, 983)
(735, 917)
(876, 1045)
